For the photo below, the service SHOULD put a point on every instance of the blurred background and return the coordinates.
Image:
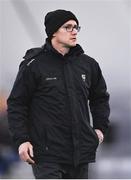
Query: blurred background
(106, 36)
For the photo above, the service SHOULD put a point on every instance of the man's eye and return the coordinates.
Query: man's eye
(68, 27)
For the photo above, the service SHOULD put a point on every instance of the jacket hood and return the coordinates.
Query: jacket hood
(31, 53)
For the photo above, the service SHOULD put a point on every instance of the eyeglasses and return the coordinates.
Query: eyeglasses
(70, 28)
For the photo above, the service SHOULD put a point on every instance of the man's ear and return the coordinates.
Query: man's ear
(54, 35)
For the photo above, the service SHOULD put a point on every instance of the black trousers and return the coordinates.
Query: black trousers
(60, 171)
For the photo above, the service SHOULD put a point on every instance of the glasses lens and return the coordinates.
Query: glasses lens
(78, 28)
(70, 28)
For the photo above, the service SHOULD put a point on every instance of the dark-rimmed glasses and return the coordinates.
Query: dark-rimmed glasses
(70, 28)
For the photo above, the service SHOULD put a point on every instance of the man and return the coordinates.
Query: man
(48, 107)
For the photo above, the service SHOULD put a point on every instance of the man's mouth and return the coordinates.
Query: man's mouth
(74, 39)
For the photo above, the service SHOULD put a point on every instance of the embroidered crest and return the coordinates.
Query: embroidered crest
(83, 76)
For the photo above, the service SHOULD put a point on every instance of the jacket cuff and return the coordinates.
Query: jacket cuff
(20, 141)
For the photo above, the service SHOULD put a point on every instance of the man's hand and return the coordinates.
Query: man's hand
(100, 135)
(26, 152)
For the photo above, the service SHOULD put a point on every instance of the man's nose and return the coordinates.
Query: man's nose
(74, 31)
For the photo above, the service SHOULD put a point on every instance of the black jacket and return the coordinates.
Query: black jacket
(49, 105)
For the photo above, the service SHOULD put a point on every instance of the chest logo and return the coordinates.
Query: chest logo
(83, 76)
(50, 78)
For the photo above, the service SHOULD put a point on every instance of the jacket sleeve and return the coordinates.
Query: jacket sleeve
(18, 103)
(99, 100)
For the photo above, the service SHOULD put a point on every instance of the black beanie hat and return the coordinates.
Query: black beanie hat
(55, 19)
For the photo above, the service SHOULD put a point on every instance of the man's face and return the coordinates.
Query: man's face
(67, 34)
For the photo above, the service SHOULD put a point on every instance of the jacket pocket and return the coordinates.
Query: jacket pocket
(94, 135)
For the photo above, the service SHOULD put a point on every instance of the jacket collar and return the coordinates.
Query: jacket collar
(74, 51)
